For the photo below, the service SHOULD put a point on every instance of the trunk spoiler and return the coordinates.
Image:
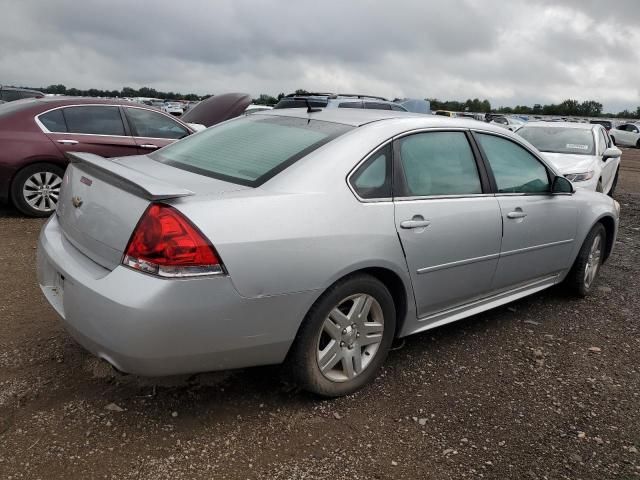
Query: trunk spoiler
(128, 179)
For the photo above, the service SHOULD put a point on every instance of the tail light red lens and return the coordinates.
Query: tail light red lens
(167, 244)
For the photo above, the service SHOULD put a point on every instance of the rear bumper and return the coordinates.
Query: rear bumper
(150, 326)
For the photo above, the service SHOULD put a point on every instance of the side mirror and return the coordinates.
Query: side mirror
(561, 185)
(611, 152)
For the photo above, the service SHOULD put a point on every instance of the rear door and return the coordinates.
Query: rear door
(447, 221)
(538, 228)
(152, 130)
(95, 129)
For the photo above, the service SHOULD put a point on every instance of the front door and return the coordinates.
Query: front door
(153, 130)
(538, 228)
(448, 224)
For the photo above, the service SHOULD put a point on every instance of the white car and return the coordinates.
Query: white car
(627, 134)
(582, 152)
(174, 108)
(510, 123)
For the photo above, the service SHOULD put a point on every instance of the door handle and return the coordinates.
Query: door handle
(67, 142)
(417, 222)
(516, 214)
(149, 146)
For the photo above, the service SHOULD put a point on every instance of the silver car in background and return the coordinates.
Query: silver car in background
(312, 238)
(582, 152)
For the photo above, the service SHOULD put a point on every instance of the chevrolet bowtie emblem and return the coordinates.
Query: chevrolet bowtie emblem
(77, 201)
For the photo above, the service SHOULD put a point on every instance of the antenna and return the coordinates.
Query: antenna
(311, 109)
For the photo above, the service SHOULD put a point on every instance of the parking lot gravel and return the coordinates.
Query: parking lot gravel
(544, 388)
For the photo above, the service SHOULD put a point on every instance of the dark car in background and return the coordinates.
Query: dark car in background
(607, 124)
(36, 134)
(10, 94)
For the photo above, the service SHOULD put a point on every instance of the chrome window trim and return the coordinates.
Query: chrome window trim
(46, 130)
(442, 197)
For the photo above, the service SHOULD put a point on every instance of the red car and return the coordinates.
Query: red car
(35, 134)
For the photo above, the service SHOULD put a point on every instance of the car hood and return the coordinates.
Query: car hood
(217, 109)
(568, 163)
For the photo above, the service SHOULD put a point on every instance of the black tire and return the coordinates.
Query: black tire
(612, 190)
(49, 197)
(304, 357)
(638, 144)
(576, 280)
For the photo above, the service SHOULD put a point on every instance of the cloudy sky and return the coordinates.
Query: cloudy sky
(508, 51)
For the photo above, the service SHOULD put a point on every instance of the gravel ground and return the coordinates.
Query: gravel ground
(544, 388)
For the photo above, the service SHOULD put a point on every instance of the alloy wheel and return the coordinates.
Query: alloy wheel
(350, 337)
(41, 191)
(593, 261)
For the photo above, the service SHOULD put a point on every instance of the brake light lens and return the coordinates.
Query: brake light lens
(167, 244)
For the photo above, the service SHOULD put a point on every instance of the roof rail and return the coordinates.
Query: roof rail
(335, 95)
(359, 95)
(309, 94)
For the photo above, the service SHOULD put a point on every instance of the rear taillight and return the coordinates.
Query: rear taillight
(167, 244)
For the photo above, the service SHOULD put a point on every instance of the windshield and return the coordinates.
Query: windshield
(250, 150)
(574, 141)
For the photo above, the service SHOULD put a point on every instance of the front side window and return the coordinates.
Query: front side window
(54, 121)
(251, 149)
(373, 178)
(603, 141)
(632, 128)
(145, 123)
(439, 163)
(94, 120)
(514, 168)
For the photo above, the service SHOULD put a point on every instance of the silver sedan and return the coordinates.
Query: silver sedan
(312, 238)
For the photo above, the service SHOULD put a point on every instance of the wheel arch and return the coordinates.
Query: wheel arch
(609, 225)
(31, 162)
(400, 289)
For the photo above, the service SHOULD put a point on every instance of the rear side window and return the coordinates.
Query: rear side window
(96, 120)
(10, 95)
(300, 103)
(146, 123)
(439, 163)
(377, 106)
(373, 178)
(249, 150)
(54, 121)
(514, 168)
(350, 105)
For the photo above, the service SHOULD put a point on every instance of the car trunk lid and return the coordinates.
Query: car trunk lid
(102, 200)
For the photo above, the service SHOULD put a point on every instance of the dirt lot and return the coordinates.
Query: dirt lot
(545, 388)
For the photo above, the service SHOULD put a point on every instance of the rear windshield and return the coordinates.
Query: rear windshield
(250, 150)
(575, 141)
(301, 103)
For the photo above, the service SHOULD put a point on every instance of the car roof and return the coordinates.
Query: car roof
(574, 125)
(359, 117)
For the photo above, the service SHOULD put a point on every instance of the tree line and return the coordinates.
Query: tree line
(567, 108)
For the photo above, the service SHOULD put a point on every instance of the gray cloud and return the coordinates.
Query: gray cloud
(521, 51)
